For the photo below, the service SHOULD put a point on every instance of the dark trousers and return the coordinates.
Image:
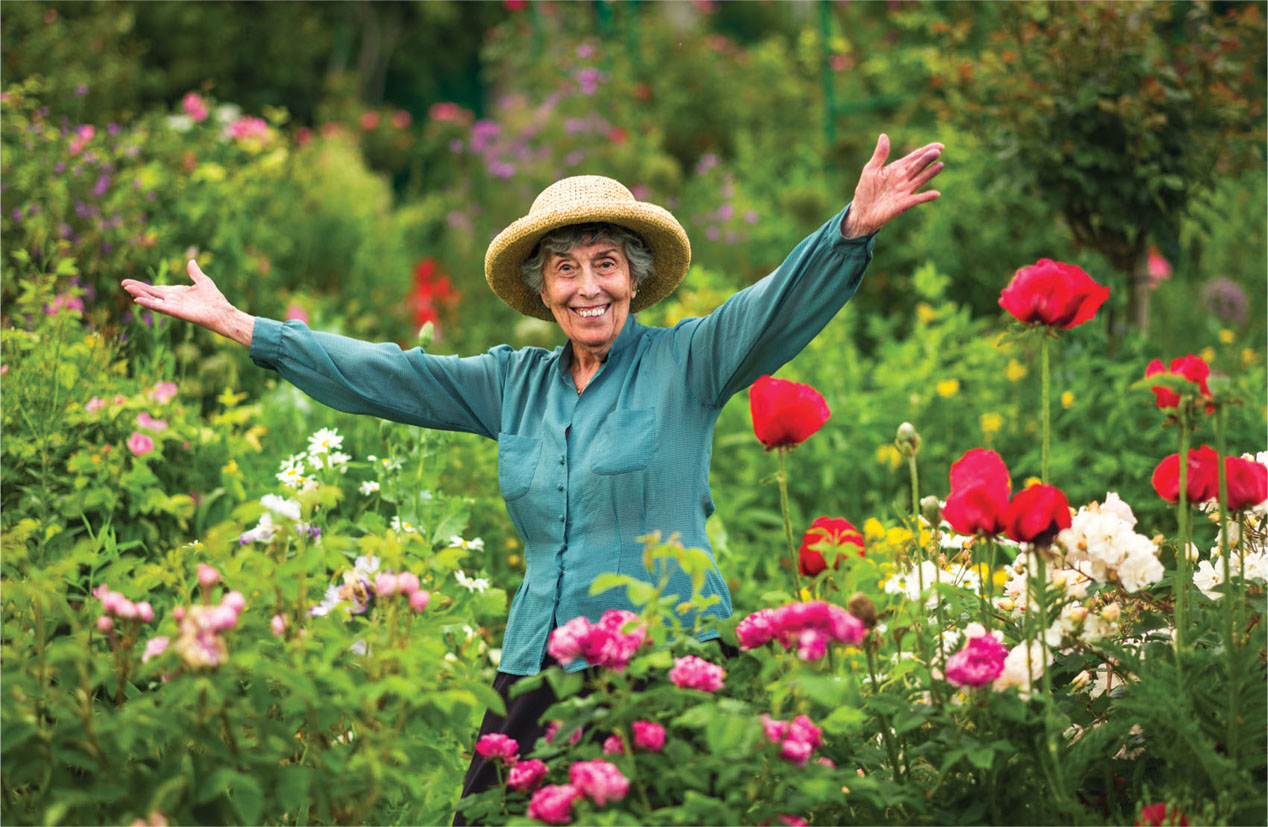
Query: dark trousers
(523, 723)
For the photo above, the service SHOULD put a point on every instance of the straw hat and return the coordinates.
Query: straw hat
(581, 200)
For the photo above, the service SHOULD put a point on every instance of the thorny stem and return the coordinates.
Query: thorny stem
(783, 504)
(1047, 390)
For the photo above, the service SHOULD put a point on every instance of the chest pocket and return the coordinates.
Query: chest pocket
(517, 464)
(626, 442)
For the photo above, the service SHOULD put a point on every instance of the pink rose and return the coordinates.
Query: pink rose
(692, 672)
(385, 584)
(207, 576)
(614, 745)
(407, 583)
(235, 601)
(980, 662)
(95, 404)
(154, 647)
(144, 420)
(145, 611)
(194, 107)
(499, 746)
(526, 776)
(140, 444)
(419, 600)
(648, 736)
(552, 804)
(163, 391)
(600, 781)
(104, 623)
(567, 641)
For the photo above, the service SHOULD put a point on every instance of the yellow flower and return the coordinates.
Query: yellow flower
(925, 313)
(1015, 371)
(806, 597)
(992, 423)
(898, 536)
(873, 529)
(512, 542)
(888, 455)
(1001, 343)
(1208, 354)
(1001, 577)
(1227, 336)
(231, 467)
(1031, 481)
(1067, 400)
(514, 559)
(1248, 356)
(948, 387)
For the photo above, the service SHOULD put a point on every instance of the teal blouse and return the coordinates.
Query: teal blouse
(584, 476)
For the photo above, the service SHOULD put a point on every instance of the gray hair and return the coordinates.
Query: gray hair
(560, 241)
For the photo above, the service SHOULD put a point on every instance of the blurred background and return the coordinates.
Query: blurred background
(348, 163)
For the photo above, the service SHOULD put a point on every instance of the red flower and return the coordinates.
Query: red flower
(1201, 481)
(980, 486)
(1247, 482)
(1193, 368)
(1160, 815)
(1036, 514)
(786, 413)
(836, 532)
(1053, 293)
(429, 291)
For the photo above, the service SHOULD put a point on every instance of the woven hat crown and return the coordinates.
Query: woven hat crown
(584, 199)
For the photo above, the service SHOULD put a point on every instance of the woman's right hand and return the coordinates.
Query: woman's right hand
(201, 303)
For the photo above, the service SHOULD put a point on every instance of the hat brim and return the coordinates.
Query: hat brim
(671, 251)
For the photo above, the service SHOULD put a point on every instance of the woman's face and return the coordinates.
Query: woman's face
(588, 290)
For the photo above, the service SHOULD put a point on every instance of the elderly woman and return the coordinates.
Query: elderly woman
(608, 437)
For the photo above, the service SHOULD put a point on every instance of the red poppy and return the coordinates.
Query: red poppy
(1053, 293)
(1160, 815)
(980, 486)
(786, 413)
(1036, 514)
(833, 532)
(1193, 368)
(1201, 480)
(1247, 482)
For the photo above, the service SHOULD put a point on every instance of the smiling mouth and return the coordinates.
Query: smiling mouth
(591, 312)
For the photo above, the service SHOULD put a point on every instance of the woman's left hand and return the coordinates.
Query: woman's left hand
(885, 192)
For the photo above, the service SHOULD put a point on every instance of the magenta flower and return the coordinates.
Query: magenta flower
(247, 127)
(648, 736)
(552, 804)
(692, 672)
(599, 781)
(601, 644)
(567, 641)
(552, 729)
(980, 662)
(526, 776)
(278, 625)
(613, 745)
(808, 626)
(195, 107)
(796, 739)
(140, 444)
(499, 746)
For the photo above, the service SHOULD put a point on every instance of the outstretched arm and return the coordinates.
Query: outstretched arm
(201, 303)
(886, 192)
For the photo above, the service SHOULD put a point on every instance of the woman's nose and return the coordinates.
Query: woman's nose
(589, 285)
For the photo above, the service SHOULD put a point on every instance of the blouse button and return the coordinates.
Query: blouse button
(561, 518)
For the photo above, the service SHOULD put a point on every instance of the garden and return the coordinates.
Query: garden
(996, 540)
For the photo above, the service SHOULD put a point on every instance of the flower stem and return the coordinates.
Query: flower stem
(1180, 586)
(1046, 382)
(1050, 741)
(869, 646)
(1229, 606)
(783, 504)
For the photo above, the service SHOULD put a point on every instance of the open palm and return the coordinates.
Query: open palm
(201, 303)
(885, 192)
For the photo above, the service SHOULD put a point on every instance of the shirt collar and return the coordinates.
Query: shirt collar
(630, 333)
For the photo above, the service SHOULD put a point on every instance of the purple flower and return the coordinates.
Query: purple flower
(17, 215)
(60, 168)
(34, 209)
(751, 217)
(64, 230)
(113, 129)
(500, 169)
(588, 79)
(725, 212)
(574, 158)
(707, 162)
(574, 125)
(1226, 299)
(585, 50)
(482, 132)
(103, 184)
(81, 90)
(713, 233)
(455, 146)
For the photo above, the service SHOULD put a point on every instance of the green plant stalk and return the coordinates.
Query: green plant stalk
(1046, 381)
(869, 647)
(1229, 607)
(788, 535)
(1180, 586)
(1050, 741)
(990, 586)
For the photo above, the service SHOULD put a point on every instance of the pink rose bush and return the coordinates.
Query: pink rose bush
(808, 626)
(980, 662)
(599, 781)
(692, 672)
(500, 747)
(552, 804)
(648, 736)
(606, 643)
(796, 739)
(526, 776)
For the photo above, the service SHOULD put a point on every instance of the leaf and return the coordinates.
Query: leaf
(488, 696)
(292, 786)
(609, 580)
(565, 683)
(247, 798)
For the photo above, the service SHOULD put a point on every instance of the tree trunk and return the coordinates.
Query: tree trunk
(1138, 291)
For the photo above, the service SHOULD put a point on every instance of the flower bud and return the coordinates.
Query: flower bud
(178, 613)
(223, 617)
(1111, 613)
(207, 576)
(234, 600)
(419, 600)
(279, 625)
(907, 440)
(145, 611)
(1078, 613)
(426, 334)
(1005, 604)
(104, 623)
(931, 509)
(407, 583)
(385, 584)
(862, 607)
(125, 609)
(110, 601)
(1081, 680)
